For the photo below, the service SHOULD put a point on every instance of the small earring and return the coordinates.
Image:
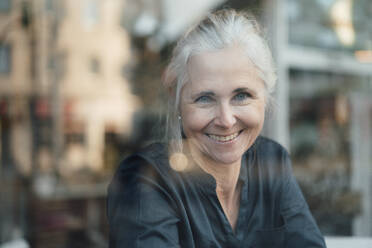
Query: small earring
(182, 133)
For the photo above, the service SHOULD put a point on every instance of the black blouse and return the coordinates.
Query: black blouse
(152, 205)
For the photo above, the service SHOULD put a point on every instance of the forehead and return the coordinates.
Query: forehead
(226, 67)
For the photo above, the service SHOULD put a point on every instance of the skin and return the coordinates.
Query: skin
(223, 97)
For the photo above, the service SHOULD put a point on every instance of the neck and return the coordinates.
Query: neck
(226, 175)
(227, 187)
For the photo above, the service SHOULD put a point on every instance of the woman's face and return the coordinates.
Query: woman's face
(222, 106)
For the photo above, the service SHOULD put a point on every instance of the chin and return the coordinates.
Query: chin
(228, 158)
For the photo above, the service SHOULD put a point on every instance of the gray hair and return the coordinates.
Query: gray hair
(219, 30)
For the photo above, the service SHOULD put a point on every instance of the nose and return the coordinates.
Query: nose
(225, 116)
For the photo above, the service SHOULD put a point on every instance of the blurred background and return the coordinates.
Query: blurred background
(80, 89)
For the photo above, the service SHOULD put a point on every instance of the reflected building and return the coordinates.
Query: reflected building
(63, 99)
(15, 86)
(61, 79)
(15, 129)
(97, 99)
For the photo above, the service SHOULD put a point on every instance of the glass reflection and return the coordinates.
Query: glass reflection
(340, 25)
(321, 146)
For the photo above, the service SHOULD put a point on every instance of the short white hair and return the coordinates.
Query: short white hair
(219, 30)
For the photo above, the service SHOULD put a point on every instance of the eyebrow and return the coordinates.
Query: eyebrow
(240, 89)
(211, 93)
(203, 93)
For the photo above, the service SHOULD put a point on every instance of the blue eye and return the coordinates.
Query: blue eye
(241, 96)
(203, 99)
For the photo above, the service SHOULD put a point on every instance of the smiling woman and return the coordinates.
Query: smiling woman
(222, 106)
(216, 182)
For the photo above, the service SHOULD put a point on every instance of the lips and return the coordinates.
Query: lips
(222, 138)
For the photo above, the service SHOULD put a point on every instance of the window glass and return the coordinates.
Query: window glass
(331, 24)
(94, 65)
(48, 5)
(4, 59)
(90, 13)
(4, 5)
(320, 144)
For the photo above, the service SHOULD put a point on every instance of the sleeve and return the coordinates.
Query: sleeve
(139, 211)
(302, 230)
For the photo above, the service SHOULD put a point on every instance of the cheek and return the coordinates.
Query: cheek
(194, 120)
(254, 116)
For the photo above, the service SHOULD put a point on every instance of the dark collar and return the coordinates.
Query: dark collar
(207, 182)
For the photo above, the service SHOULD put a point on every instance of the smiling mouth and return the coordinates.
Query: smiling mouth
(221, 138)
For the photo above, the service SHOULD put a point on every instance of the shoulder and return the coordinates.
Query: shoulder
(154, 155)
(263, 142)
(140, 199)
(271, 160)
(148, 165)
(267, 148)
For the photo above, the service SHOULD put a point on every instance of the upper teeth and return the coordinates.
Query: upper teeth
(223, 138)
